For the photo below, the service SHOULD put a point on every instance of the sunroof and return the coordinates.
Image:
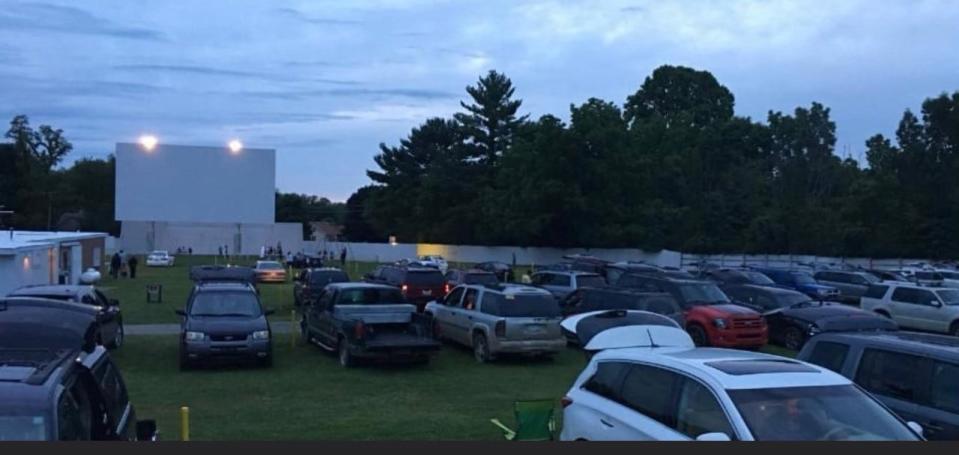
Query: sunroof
(760, 366)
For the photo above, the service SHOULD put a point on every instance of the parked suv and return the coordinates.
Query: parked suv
(585, 300)
(500, 319)
(915, 307)
(310, 282)
(456, 277)
(710, 317)
(561, 283)
(110, 318)
(224, 321)
(801, 281)
(649, 382)
(419, 285)
(617, 269)
(851, 285)
(55, 382)
(915, 374)
(726, 276)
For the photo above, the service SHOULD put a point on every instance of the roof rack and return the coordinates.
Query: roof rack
(44, 361)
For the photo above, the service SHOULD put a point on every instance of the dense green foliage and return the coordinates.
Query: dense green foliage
(674, 168)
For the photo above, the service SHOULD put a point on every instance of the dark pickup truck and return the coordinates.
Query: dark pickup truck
(368, 321)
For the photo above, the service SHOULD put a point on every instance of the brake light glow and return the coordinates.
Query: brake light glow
(404, 288)
(446, 288)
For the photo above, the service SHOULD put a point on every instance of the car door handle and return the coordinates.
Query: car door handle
(605, 423)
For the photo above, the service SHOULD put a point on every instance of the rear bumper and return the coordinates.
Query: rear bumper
(397, 353)
(552, 345)
(271, 278)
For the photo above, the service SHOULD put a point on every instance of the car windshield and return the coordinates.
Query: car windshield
(949, 296)
(520, 306)
(431, 278)
(22, 428)
(220, 303)
(593, 281)
(370, 296)
(702, 293)
(803, 277)
(480, 278)
(269, 266)
(822, 413)
(758, 278)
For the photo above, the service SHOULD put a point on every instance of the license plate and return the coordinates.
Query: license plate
(428, 292)
(535, 329)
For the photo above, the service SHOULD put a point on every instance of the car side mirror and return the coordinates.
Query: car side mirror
(146, 430)
(180, 312)
(915, 427)
(269, 312)
(716, 436)
(935, 303)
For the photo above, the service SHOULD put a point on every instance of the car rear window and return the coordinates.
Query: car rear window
(425, 278)
(481, 278)
(520, 306)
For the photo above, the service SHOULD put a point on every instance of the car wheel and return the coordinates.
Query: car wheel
(346, 359)
(117, 338)
(698, 334)
(480, 348)
(793, 339)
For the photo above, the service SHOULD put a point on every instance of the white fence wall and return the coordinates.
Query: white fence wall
(785, 261)
(206, 238)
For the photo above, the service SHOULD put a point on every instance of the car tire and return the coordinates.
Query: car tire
(698, 334)
(343, 354)
(117, 338)
(481, 348)
(793, 339)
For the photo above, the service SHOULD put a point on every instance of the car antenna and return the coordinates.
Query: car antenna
(652, 343)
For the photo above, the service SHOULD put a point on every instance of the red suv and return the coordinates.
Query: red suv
(711, 318)
(419, 285)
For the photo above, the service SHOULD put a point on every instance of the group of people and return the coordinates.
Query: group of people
(122, 265)
(184, 250)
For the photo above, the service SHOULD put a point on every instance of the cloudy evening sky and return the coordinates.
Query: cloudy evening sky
(324, 82)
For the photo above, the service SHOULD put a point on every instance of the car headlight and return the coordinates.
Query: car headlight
(195, 336)
(719, 323)
(261, 335)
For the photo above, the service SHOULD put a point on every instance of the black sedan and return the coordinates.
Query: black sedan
(793, 318)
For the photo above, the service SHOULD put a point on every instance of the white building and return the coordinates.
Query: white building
(31, 257)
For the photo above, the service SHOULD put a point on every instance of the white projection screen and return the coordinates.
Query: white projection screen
(194, 184)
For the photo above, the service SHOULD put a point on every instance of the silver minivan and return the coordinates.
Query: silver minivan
(499, 319)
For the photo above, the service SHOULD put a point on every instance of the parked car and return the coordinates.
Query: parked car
(432, 260)
(915, 307)
(929, 278)
(418, 285)
(160, 258)
(710, 317)
(109, 316)
(580, 328)
(455, 277)
(270, 272)
(800, 281)
(950, 278)
(368, 321)
(56, 383)
(306, 261)
(851, 285)
(613, 271)
(502, 270)
(915, 374)
(500, 319)
(224, 321)
(585, 300)
(561, 283)
(310, 282)
(728, 276)
(793, 318)
(649, 382)
(888, 275)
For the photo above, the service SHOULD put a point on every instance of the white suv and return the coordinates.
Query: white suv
(915, 307)
(651, 383)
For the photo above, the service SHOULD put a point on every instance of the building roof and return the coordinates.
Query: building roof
(13, 241)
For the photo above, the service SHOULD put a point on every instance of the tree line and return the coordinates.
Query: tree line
(673, 167)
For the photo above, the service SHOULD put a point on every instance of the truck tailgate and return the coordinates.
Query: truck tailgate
(375, 314)
(399, 341)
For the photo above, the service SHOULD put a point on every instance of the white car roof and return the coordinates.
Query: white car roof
(731, 369)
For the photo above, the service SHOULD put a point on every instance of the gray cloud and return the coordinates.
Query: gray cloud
(303, 17)
(189, 69)
(424, 94)
(66, 19)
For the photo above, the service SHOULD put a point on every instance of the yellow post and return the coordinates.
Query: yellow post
(184, 423)
(292, 329)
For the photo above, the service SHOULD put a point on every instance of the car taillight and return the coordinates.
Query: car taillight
(446, 288)
(359, 330)
(566, 401)
(404, 288)
(501, 328)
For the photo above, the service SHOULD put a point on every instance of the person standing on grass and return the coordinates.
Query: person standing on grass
(343, 257)
(132, 264)
(219, 251)
(115, 265)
